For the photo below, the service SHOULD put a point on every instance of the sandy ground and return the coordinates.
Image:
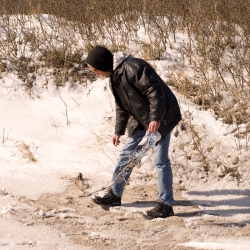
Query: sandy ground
(68, 221)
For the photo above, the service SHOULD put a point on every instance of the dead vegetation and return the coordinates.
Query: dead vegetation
(215, 51)
(25, 151)
(52, 38)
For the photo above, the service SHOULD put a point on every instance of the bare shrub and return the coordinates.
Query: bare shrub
(215, 52)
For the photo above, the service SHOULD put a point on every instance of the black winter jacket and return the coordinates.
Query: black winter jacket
(146, 96)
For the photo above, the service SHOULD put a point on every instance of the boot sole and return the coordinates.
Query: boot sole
(148, 217)
(105, 204)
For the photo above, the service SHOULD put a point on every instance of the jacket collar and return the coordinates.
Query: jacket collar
(119, 57)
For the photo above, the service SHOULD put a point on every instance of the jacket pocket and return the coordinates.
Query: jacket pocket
(132, 125)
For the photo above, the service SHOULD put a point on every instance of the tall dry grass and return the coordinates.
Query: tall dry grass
(216, 30)
(37, 34)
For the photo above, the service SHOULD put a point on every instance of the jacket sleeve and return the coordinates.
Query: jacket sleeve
(150, 84)
(121, 121)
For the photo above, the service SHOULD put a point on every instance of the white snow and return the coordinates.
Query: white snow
(238, 244)
(38, 123)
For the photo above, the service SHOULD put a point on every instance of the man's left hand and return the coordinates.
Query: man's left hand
(153, 126)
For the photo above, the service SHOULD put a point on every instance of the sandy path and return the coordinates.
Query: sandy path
(66, 221)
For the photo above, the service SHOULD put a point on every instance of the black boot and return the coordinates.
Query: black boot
(160, 211)
(108, 199)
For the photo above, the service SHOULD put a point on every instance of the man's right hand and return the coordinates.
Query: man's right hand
(116, 139)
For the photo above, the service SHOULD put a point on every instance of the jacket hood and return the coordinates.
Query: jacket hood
(119, 57)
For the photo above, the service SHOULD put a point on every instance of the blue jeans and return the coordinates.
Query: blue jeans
(162, 164)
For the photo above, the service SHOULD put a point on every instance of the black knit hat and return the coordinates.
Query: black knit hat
(100, 58)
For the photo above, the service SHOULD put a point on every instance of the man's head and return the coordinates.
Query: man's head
(100, 60)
